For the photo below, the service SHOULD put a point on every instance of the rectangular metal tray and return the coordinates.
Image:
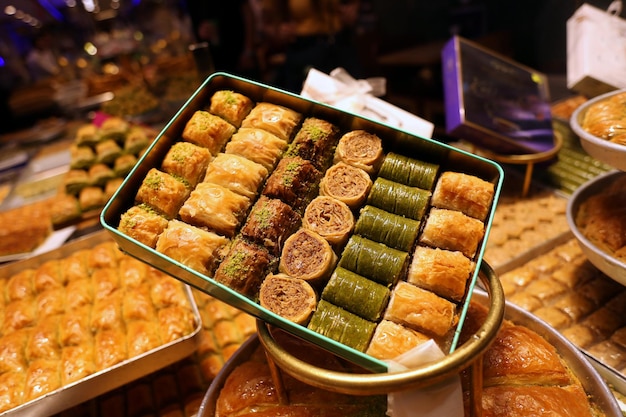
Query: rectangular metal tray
(399, 141)
(107, 379)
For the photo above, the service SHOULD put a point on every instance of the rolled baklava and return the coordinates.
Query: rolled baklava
(308, 256)
(357, 294)
(341, 325)
(400, 199)
(361, 149)
(391, 229)
(373, 260)
(409, 171)
(291, 298)
(346, 183)
(330, 218)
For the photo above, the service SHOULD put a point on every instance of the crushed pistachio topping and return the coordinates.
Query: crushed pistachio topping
(153, 181)
(314, 132)
(290, 172)
(230, 97)
(235, 265)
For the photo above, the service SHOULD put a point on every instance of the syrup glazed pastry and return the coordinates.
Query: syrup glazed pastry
(215, 207)
(187, 161)
(360, 149)
(315, 142)
(465, 193)
(162, 192)
(307, 255)
(230, 106)
(143, 224)
(244, 267)
(236, 173)
(346, 183)
(208, 131)
(330, 218)
(194, 247)
(291, 298)
(277, 120)
(257, 145)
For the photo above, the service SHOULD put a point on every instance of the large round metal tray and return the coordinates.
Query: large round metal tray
(592, 382)
(601, 149)
(602, 260)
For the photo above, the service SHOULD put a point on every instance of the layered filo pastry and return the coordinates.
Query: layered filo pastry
(244, 267)
(315, 141)
(216, 208)
(525, 375)
(187, 161)
(257, 145)
(162, 192)
(346, 183)
(452, 230)
(361, 149)
(307, 255)
(208, 130)
(236, 173)
(465, 193)
(143, 224)
(294, 181)
(273, 118)
(270, 223)
(194, 247)
(230, 106)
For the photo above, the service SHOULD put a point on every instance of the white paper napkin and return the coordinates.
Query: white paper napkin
(442, 399)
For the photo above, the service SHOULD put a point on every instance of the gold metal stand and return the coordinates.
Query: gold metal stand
(529, 159)
(468, 355)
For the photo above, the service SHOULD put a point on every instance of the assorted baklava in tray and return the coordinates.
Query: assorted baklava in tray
(351, 234)
(85, 319)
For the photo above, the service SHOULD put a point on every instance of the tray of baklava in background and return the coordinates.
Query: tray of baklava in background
(84, 319)
(359, 237)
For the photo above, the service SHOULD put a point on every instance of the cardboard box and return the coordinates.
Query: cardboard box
(494, 102)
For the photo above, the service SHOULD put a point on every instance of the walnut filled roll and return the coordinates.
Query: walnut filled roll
(289, 297)
(308, 256)
(360, 149)
(346, 183)
(330, 218)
